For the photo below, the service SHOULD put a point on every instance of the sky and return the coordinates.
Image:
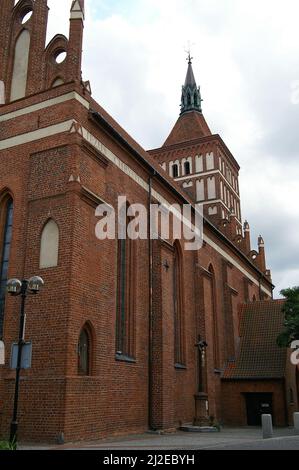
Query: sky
(246, 60)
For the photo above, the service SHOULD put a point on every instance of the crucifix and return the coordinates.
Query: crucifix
(188, 51)
(201, 397)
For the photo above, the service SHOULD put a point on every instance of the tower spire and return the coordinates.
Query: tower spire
(191, 96)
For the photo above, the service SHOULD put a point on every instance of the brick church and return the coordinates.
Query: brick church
(127, 335)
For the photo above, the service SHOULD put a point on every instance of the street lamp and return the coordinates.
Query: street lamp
(15, 287)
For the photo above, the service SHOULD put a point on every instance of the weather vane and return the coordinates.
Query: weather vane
(188, 51)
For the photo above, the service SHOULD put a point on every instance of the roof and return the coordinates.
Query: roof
(259, 357)
(189, 126)
(190, 79)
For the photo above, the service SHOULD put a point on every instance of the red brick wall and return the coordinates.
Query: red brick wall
(82, 288)
(234, 403)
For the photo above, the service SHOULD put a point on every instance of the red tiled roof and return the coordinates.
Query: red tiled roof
(259, 356)
(191, 125)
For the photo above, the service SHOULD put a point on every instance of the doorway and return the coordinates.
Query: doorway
(256, 405)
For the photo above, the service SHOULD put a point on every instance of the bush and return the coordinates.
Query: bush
(5, 445)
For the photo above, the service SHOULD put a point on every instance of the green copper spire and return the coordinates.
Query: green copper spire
(191, 97)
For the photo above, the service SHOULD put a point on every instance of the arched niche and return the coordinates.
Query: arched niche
(49, 247)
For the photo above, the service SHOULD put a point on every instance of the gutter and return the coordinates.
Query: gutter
(150, 292)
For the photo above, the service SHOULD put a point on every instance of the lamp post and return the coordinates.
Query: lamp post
(15, 287)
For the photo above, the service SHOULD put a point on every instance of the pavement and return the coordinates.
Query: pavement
(247, 438)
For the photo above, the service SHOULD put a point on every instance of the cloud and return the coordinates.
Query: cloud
(246, 61)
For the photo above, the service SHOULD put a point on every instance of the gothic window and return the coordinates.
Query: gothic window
(20, 67)
(178, 306)
(84, 352)
(189, 99)
(214, 317)
(211, 188)
(6, 217)
(175, 171)
(49, 247)
(187, 168)
(125, 316)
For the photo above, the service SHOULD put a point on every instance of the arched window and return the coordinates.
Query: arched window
(187, 168)
(20, 67)
(49, 246)
(6, 217)
(214, 318)
(189, 99)
(125, 315)
(195, 99)
(175, 171)
(84, 352)
(178, 306)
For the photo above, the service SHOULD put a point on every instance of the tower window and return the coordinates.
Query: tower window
(189, 99)
(187, 168)
(6, 216)
(175, 171)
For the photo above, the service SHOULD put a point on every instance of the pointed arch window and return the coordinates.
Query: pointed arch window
(6, 220)
(84, 352)
(187, 168)
(125, 314)
(20, 67)
(195, 99)
(189, 99)
(178, 307)
(175, 171)
(214, 317)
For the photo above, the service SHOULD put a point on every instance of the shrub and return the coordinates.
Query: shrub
(5, 445)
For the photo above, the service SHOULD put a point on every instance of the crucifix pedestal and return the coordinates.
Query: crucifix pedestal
(201, 417)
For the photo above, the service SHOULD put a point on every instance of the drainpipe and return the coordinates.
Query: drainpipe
(151, 282)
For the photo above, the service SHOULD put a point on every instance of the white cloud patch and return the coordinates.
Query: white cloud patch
(246, 62)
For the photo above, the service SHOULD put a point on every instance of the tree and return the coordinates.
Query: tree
(291, 323)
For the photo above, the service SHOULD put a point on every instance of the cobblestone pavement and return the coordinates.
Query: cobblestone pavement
(229, 438)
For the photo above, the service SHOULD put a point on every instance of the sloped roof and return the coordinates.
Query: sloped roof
(259, 356)
(189, 126)
(190, 79)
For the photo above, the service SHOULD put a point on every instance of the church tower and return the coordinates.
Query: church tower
(201, 162)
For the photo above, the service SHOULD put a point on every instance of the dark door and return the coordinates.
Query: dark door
(257, 404)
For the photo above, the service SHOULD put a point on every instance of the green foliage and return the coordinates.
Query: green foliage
(5, 445)
(291, 323)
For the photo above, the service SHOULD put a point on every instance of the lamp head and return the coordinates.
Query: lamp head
(14, 286)
(35, 284)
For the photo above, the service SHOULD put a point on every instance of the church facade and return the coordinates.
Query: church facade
(128, 335)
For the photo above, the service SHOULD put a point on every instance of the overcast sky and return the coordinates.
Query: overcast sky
(246, 60)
